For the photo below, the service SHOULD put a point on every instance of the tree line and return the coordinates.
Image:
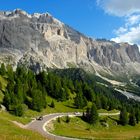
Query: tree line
(26, 89)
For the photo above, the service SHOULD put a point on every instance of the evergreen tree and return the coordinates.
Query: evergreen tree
(132, 118)
(7, 100)
(18, 90)
(59, 120)
(80, 101)
(2, 69)
(18, 110)
(62, 94)
(88, 92)
(10, 73)
(93, 115)
(123, 116)
(87, 115)
(52, 104)
(137, 115)
(37, 100)
(98, 102)
(104, 102)
(67, 119)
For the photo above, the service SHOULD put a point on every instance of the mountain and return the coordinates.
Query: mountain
(40, 41)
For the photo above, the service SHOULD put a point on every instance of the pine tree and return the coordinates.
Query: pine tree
(67, 119)
(93, 115)
(80, 101)
(137, 115)
(123, 116)
(87, 115)
(98, 103)
(132, 118)
(52, 104)
(104, 102)
(10, 73)
(2, 69)
(59, 120)
(37, 100)
(7, 100)
(88, 92)
(18, 110)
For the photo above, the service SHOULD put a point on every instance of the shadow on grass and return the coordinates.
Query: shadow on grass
(70, 106)
(118, 122)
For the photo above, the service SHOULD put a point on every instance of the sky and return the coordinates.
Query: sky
(117, 20)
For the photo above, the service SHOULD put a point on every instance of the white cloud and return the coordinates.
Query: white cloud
(132, 36)
(133, 19)
(120, 30)
(130, 11)
(120, 7)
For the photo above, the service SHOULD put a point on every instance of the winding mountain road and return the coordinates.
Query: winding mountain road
(39, 125)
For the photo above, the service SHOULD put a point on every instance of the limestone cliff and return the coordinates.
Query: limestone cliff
(39, 41)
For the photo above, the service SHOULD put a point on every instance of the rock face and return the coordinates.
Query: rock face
(39, 41)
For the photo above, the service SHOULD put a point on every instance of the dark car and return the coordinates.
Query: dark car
(40, 118)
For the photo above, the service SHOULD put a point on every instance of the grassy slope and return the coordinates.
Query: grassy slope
(79, 128)
(59, 107)
(9, 131)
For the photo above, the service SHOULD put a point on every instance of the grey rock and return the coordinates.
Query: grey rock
(40, 41)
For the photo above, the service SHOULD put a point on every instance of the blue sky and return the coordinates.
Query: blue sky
(118, 20)
(83, 15)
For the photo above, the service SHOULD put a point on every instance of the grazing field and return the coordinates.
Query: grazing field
(80, 129)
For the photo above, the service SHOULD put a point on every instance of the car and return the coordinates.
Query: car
(77, 113)
(40, 118)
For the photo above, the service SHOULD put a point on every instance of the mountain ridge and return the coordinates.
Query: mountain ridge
(40, 41)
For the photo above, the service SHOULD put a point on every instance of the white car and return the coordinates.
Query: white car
(77, 113)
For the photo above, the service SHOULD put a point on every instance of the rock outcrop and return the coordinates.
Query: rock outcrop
(39, 41)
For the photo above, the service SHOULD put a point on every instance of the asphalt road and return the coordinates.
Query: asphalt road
(39, 125)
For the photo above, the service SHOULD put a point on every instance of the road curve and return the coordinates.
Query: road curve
(39, 125)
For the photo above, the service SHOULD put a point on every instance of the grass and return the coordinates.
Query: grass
(66, 106)
(9, 131)
(80, 129)
(9, 117)
(106, 111)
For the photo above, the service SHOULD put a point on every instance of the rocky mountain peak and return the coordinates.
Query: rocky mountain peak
(40, 41)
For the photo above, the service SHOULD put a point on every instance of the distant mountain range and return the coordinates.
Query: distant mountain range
(40, 41)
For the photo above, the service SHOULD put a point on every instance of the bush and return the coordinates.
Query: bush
(52, 104)
(18, 110)
(67, 119)
(59, 120)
